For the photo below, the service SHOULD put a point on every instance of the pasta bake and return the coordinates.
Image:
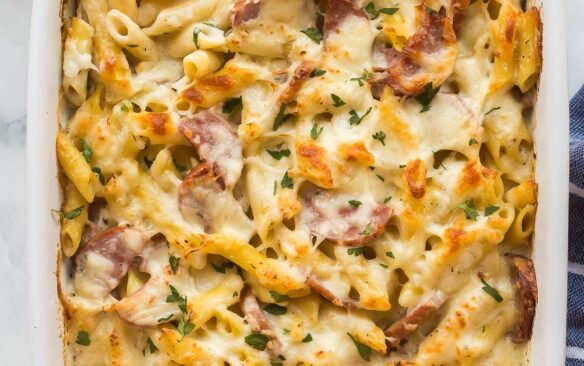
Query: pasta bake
(298, 182)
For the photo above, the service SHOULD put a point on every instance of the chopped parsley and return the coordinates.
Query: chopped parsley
(313, 34)
(97, 171)
(124, 108)
(257, 341)
(427, 96)
(492, 110)
(275, 187)
(285, 331)
(184, 328)
(275, 309)
(363, 349)
(383, 265)
(232, 105)
(380, 177)
(287, 182)
(83, 338)
(279, 154)
(389, 11)
(337, 101)
(133, 46)
(374, 13)
(315, 131)
(357, 251)
(164, 320)
(355, 203)
(281, 118)
(472, 141)
(355, 120)
(469, 209)
(491, 291)
(491, 210)
(390, 254)
(278, 297)
(362, 79)
(69, 215)
(196, 33)
(402, 166)
(317, 72)
(379, 136)
(176, 297)
(173, 262)
(368, 230)
(87, 152)
(387, 199)
(151, 345)
(307, 339)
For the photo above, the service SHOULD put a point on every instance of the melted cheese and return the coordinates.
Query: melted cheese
(470, 152)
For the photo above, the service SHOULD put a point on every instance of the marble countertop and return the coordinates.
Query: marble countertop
(15, 18)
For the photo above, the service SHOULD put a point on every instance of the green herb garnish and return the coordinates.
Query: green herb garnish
(427, 96)
(275, 309)
(357, 251)
(469, 209)
(337, 101)
(196, 33)
(491, 210)
(279, 154)
(287, 182)
(363, 349)
(87, 152)
(379, 136)
(355, 120)
(491, 291)
(257, 341)
(307, 339)
(313, 34)
(278, 297)
(69, 215)
(173, 262)
(355, 203)
(315, 131)
(83, 338)
(152, 346)
(100, 176)
(176, 297)
(492, 110)
(317, 72)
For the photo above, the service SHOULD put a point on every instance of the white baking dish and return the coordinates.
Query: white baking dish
(552, 173)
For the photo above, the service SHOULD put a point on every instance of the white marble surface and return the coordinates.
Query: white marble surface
(14, 24)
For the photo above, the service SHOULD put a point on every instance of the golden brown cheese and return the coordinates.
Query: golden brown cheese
(247, 182)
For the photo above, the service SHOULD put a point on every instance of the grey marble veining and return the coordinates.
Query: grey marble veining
(14, 24)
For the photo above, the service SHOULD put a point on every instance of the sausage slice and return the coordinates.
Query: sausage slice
(343, 219)
(415, 316)
(427, 57)
(339, 10)
(105, 260)
(216, 142)
(203, 198)
(317, 286)
(243, 11)
(523, 279)
(257, 320)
